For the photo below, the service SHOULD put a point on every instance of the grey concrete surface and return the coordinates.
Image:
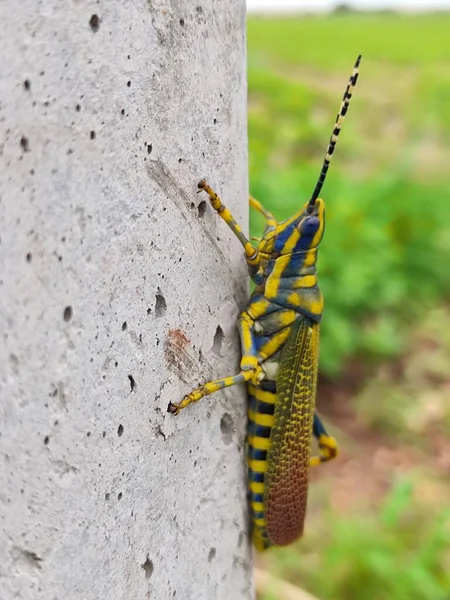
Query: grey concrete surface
(119, 292)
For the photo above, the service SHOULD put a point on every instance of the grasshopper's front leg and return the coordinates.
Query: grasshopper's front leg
(251, 254)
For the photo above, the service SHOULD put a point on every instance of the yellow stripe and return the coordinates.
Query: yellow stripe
(321, 212)
(257, 309)
(259, 443)
(259, 522)
(257, 488)
(307, 281)
(311, 255)
(259, 394)
(265, 420)
(257, 506)
(275, 342)
(259, 466)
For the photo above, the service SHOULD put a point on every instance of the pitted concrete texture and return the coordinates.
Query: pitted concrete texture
(119, 292)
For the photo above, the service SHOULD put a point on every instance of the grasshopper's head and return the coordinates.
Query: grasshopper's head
(303, 231)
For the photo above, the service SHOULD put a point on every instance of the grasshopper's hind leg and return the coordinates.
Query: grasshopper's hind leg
(328, 448)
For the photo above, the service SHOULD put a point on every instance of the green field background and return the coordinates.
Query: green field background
(384, 269)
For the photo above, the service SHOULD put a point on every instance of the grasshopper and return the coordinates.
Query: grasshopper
(279, 330)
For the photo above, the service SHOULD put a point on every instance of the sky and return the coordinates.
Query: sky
(320, 5)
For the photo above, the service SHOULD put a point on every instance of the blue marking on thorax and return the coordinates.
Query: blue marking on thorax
(283, 237)
(295, 264)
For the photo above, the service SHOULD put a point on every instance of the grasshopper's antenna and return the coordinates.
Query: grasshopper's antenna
(334, 136)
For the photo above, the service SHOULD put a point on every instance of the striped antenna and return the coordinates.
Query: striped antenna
(336, 130)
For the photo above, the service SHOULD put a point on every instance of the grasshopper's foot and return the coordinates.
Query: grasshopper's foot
(202, 185)
(194, 396)
(173, 409)
(216, 202)
(328, 450)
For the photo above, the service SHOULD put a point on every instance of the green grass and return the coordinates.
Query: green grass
(387, 244)
(331, 42)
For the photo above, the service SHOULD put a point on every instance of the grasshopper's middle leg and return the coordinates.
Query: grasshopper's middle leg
(250, 369)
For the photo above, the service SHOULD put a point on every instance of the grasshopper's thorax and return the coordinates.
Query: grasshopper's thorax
(289, 254)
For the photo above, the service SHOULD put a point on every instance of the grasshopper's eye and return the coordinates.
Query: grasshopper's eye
(309, 226)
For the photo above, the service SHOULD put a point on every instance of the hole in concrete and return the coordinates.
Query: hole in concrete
(29, 257)
(26, 84)
(211, 554)
(132, 382)
(148, 568)
(226, 427)
(120, 430)
(119, 496)
(92, 135)
(25, 143)
(160, 304)
(218, 339)
(201, 209)
(68, 313)
(94, 22)
(124, 325)
(46, 440)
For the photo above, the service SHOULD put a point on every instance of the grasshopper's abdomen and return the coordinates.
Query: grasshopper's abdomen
(260, 422)
(280, 417)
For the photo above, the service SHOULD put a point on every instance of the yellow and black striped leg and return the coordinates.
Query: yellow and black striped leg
(209, 388)
(251, 254)
(270, 219)
(251, 370)
(328, 448)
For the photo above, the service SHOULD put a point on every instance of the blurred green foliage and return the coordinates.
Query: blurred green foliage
(384, 259)
(384, 270)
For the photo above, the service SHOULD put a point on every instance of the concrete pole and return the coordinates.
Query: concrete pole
(119, 292)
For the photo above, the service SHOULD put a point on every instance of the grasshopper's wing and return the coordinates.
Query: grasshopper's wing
(286, 481)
